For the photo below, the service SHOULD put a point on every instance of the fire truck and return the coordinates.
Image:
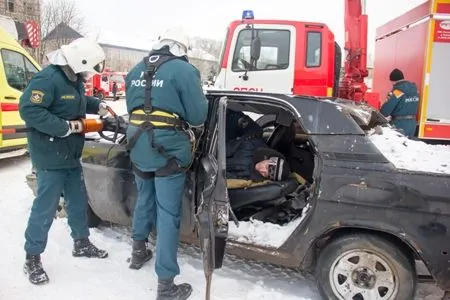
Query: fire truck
(303, 58)
(17, 67)
(418, 43)
(101, 85)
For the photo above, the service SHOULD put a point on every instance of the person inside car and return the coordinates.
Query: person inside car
(248, 156)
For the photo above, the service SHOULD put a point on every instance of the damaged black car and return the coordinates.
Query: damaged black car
(345, 213)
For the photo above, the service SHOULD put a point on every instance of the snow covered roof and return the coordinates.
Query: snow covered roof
(62, 30)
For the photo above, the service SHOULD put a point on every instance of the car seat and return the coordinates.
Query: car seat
(268, 194)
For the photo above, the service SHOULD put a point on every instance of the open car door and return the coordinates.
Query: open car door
(213, 211)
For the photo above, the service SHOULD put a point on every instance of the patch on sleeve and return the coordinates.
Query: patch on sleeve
(397, 93)
(37, 96)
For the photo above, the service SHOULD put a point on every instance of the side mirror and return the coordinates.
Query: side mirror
(255, 48)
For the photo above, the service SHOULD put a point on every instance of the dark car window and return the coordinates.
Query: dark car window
(325, 117)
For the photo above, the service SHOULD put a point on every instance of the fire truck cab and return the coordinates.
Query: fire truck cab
(101, 85)
(289, 57)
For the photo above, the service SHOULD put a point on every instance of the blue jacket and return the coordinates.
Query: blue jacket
(48, 101)
(177, 88)
(403, 100)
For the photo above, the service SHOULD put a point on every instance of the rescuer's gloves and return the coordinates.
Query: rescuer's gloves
(74, 127)
(103, 109)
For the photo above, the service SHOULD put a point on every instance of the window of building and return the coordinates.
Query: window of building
(313, 49)
(275, 48)
(18, 69)
(10, 5)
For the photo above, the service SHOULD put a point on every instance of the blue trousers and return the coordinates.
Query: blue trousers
(408, 126)
(50, 184)
(159, 202)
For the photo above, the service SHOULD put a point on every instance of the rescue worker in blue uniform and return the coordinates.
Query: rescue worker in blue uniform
(164, 98)
(52, 102)
(402, 103)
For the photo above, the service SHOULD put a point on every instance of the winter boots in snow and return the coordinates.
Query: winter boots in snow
(167, 290)
(33, 268)
(84, 248)
(139, 255)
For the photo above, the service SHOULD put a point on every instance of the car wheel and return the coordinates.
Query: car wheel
(93, 219)
(363, 267)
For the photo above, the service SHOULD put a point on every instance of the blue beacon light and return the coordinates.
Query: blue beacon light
(248, 15)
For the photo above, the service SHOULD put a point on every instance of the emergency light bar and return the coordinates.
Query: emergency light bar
(248, 15)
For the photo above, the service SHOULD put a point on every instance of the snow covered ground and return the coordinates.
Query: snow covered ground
(81, 278)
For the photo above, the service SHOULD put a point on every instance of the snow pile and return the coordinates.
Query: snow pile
(259, 233)
(409, 154)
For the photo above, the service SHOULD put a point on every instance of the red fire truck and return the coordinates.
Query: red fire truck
(303, 58)
(418, 43)
(101, 85)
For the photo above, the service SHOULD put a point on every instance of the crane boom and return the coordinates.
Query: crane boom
(352, 85)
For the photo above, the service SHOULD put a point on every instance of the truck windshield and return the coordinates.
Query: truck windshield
(275, 46)
(117, 78)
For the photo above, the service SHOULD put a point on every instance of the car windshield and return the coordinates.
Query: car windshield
(331, 116)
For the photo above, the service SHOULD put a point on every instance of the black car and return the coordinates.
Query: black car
(347, 214)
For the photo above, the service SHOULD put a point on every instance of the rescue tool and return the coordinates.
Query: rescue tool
(115, 124)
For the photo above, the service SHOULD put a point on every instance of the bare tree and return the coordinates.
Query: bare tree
(209, 46)
(54, 13)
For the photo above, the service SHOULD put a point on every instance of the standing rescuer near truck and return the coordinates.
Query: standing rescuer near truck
(164, 98)
(52, 102)
(402, 103)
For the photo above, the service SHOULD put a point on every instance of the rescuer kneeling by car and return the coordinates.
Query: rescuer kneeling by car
(164, 98)
(51, 105)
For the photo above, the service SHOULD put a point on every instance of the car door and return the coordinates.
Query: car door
(213, 205)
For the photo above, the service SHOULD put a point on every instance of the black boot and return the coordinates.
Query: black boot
(33, 268)
(140, 255)
(167, 290)
(84, 248)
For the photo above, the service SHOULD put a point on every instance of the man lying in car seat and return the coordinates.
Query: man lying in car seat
(249, 160)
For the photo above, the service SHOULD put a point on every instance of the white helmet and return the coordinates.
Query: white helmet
(176, 39)
(84, 56)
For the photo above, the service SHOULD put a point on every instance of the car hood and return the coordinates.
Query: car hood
(363, 114)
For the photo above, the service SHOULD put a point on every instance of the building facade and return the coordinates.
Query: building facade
(21, 10)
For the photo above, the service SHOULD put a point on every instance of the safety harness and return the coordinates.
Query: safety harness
(148, 117)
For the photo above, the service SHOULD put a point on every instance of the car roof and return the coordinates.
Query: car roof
(320, 115)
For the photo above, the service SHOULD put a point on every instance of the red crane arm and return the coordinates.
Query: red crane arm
(352, 85)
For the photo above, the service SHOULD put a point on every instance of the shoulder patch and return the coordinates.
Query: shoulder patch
(397, 93)
(37, 96)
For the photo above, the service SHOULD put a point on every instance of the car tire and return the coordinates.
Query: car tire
(93, 220)
(101, 96)
(357, 264)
